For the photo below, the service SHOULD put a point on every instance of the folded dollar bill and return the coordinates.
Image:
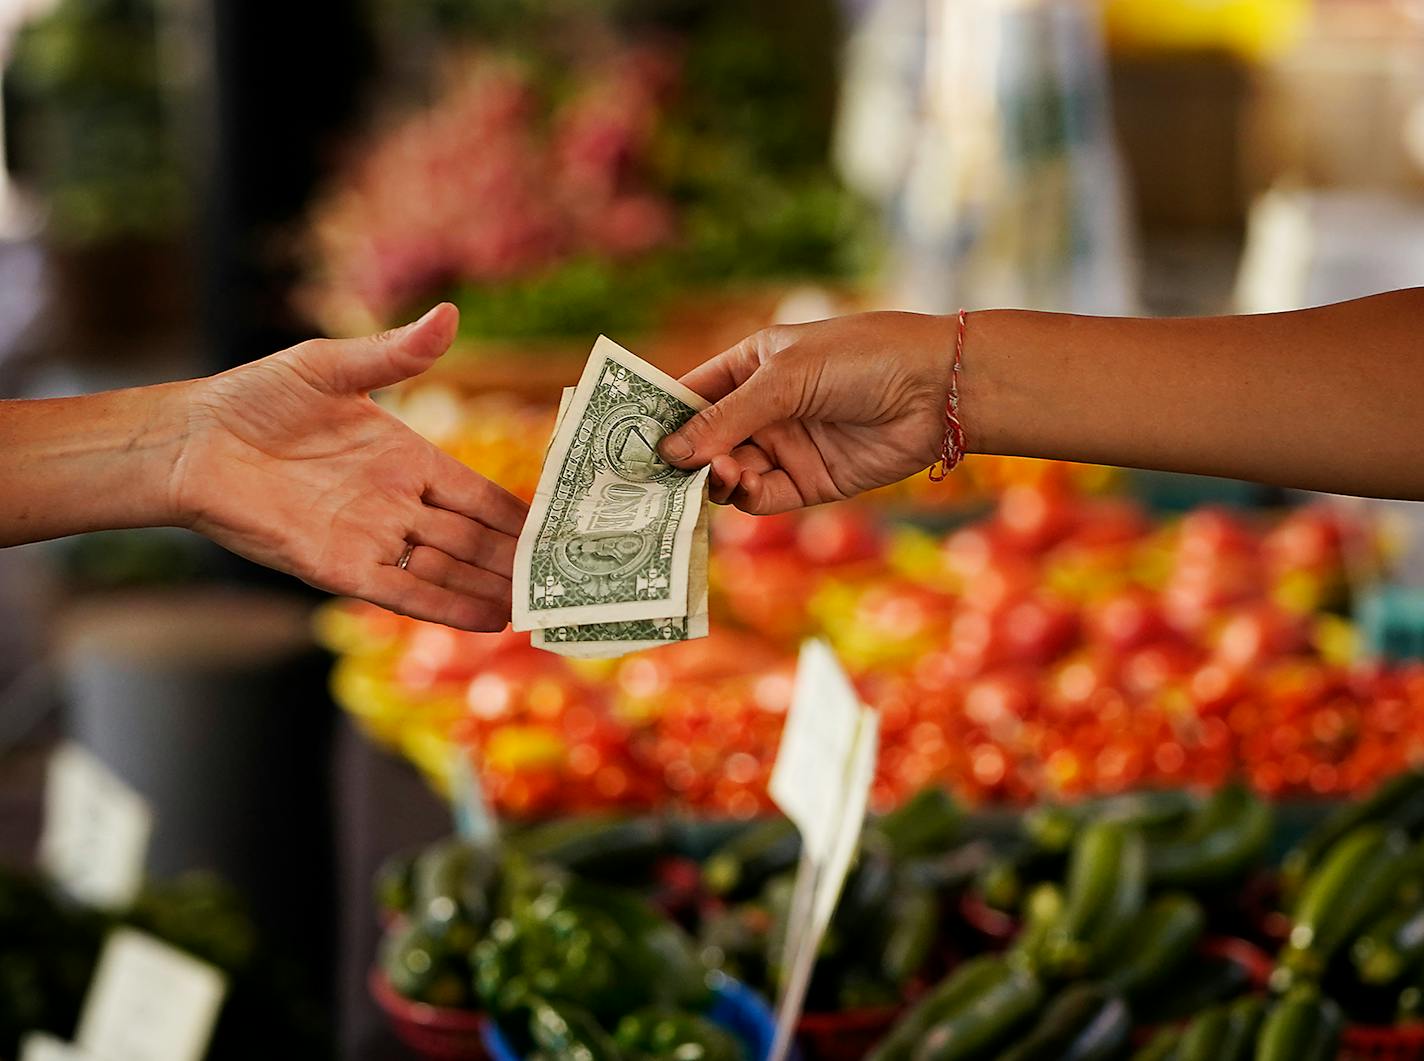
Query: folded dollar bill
(613, 556)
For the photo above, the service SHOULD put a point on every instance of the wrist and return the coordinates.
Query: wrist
(169, 440)
(943, 371)
(923, 347)
(982, 380)
(95, 462)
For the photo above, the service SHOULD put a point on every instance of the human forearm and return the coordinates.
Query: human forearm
(286, 461)
(1329, 398)
(89, 463)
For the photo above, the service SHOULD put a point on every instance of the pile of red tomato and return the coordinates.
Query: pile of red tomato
(1060, 645)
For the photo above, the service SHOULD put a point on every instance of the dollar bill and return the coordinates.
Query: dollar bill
(613, 557)
(607, 640)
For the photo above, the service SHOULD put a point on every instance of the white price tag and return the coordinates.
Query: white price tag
(37, 1046)
(808, 780)
(149, 1002)
(822, 779)
(859, 775)
(96, 830)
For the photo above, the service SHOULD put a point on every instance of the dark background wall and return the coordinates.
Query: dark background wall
(281, 83)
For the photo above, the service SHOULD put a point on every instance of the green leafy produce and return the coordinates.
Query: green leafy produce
(567, 1033)
(454, 882)
(421, 967)
(673, 1034)
(601, 948)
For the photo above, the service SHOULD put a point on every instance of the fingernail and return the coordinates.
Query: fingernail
(424, 317)
(675, 448)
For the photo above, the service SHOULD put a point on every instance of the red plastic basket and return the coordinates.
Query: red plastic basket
(844, 1036)
(431, 1031)
(1361, 1042)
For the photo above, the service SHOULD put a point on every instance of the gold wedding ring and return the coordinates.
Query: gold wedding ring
(404, 560)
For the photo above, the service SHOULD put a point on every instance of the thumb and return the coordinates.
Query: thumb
(349, 366)
(720, 428)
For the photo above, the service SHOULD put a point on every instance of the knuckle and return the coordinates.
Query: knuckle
(310, 355)
(428, 562)
(775, 338)
(706, 422)
(702, 426)
(782, 383)
(312, 361)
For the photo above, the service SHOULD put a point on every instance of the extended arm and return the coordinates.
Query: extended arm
(286, 461)
(1327, 399)
(1323, 399)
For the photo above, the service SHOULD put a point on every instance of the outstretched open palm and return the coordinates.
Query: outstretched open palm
(289, 462)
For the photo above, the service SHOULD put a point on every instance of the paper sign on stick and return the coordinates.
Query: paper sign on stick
(808, 778)
(96, 829)
(821, 780)
(857, 796)
(149, 1002)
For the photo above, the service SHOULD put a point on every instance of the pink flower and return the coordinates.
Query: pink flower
(485, 187)
(631, 225)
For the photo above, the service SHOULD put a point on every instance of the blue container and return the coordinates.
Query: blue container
(1391, 620)
(1179, 492)
(735, 1007)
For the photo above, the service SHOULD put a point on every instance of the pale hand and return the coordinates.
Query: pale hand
(819, 412)
(288, 462)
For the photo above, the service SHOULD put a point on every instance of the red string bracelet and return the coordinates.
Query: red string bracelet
(952, 449)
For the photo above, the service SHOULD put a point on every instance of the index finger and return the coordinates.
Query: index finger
(716, 378)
